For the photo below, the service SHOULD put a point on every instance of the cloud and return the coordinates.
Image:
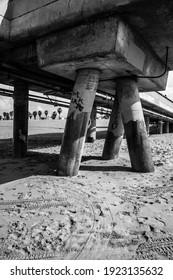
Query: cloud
(39, 108)
(170, 79)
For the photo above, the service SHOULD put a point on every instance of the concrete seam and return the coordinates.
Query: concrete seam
(34, 10)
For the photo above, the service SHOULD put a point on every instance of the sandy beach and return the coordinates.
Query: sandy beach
(106, 212)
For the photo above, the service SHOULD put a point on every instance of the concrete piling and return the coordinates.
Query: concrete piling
(82, 101)
(170, 127)
(167, 127)
(114, 134)
(160, 127)
(134, 125)
(20, 121)
(147, 123)
(91, 132)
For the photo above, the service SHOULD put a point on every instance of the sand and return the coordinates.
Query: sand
(106, 212)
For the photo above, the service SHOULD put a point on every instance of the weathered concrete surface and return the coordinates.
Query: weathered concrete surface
(107, 44)
(115, 133)
(33, 18)
(20, 121)
(152, 19)
(154, 22)
(157, 102)
(134, 125)
(77, 122)
(23, 21)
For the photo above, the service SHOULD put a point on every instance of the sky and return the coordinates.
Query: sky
(6, 103)
(169, 89)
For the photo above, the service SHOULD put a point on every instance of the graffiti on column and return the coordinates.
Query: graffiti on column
(115, 123)
(77, 101)
(92, 83)
(21, 136)
(83, 94)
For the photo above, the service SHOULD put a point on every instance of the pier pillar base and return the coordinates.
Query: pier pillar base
(134, 125)
(20, 121)
(114, 134)
(77, 122)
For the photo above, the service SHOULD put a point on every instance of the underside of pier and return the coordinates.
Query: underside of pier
(78, 48)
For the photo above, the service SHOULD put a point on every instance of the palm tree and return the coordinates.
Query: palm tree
(59, 112)
(4, 114)
(7, 116)
(35, 114)
(54, 114)
(46, 113)
(39, 113)
(30, 115)
(11, 114)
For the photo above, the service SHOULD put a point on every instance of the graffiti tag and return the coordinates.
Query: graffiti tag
(77, 101)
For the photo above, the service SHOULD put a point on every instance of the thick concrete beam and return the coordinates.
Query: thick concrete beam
(134, 125)
(77, 122)
(158, 102)
(91, 132)
(108, 44)
(114, 134)
(34, 18)
(20, 121)
(30, 19)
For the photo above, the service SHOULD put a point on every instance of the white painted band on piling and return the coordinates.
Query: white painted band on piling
(134, 113)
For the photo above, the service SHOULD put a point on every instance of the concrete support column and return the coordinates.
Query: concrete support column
(170, 127)
(91, 133)
(20, 121)
(114, 134)
(77, 121)
(167, 127)
(134, 125)
(147, 123)
(160, 127)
